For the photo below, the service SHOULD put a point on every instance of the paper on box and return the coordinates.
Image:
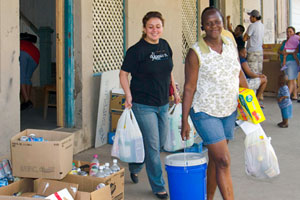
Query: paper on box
(248, 107)
(46, 187)
(30, 187)
(62, 194)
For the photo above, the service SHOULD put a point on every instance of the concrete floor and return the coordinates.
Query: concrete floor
(33, 119)
(285, 142)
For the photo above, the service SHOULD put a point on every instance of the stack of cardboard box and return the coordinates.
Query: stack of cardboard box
(52, 159)
(117, 105)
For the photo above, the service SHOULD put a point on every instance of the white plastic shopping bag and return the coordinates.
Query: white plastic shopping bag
(128, 144)
(260, 158)
(174, 141)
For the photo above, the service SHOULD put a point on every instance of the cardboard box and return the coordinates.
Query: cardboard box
(272, 71)
(29, 187)
(117, 100)
(248, 107)
(271, 51)
(50, 159)
(87, 183)
(115, 116)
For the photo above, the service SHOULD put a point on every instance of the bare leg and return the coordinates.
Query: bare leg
(28, 89)
(291, 86)
(24, 92)
(211, 178)
(219, 153)
(262, 87)
(295, 92)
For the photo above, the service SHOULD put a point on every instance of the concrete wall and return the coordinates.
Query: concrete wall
(248, 6)
(86, 86)
(232, 8)
(171, 11)
(269, 21)
(9, 73)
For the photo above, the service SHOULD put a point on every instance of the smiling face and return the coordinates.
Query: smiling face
(153, 30)
(212, 23)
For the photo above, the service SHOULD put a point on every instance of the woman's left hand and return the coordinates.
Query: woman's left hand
(177, 98)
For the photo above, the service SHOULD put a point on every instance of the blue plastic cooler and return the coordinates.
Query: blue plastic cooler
(186, 176)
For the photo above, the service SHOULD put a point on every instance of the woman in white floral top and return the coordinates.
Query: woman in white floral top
(212, 78)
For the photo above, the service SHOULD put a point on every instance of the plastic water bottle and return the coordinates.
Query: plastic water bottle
(94, 166)
(115, 168)
(107, 170)
(74, 166)
(74, 170)
(101, 173)
(100, 185)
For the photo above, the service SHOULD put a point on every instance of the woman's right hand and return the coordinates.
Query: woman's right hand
(185, 130)
(128, 102)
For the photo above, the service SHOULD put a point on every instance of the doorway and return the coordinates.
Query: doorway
(40, 18)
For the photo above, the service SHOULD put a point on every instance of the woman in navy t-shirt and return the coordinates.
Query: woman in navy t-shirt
(150, 64)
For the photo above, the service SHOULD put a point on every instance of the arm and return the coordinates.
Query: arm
(281, 52)
(229, 25)
(243, 81)
(246, 37)
(248, 71)
(176, 95)
(190, 84)
(125, 85)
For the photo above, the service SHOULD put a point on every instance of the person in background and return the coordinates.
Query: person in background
(298, 33)
(291, 46)
(292, 68)
(29, 60)
(284, 101)
(257, 82)
(212, 78)
(150, 64)
(254, 37)
(238, 32)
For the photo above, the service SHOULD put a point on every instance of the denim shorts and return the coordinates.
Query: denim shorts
(213, 129)
(292, 70)
(287, 112)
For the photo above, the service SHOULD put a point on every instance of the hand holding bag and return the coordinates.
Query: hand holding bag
(128, 144)
(174, 141)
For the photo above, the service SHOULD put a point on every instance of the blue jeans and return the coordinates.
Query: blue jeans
(27, 67)
(154, 124)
